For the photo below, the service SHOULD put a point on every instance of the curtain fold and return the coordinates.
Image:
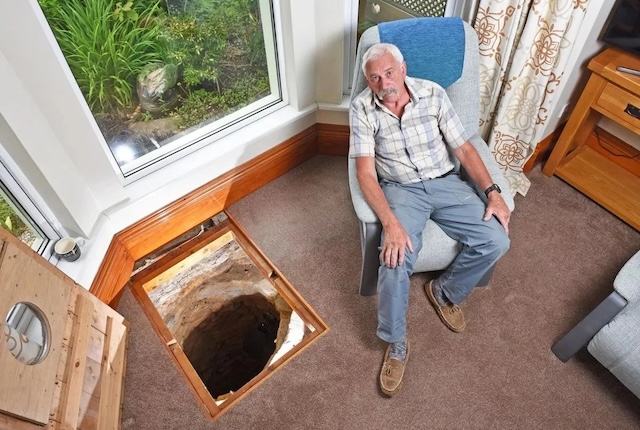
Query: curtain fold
(524, 49)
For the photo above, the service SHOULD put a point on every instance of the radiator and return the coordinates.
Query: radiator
(377, 11)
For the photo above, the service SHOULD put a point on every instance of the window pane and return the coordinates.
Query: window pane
(159, 75)
(17, 222)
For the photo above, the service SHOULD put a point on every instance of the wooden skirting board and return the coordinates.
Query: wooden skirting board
(333, 139)
(543, 149)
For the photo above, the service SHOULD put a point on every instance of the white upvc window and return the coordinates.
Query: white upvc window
(164, 78)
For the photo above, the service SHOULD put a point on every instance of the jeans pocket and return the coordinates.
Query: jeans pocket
(462, 191)
(395, 194)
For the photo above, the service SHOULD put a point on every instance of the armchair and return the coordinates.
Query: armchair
(443, 50)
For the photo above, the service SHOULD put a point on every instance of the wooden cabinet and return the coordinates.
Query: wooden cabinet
(615, 95)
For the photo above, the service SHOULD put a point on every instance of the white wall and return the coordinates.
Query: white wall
(329, 55)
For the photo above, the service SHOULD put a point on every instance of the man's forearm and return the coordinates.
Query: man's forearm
(473, 164)
(373, 194)
(375, 197)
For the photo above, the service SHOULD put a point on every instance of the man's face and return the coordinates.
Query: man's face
(385, 76)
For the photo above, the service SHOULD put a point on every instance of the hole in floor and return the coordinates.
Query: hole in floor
(234, 344)
(225, 312)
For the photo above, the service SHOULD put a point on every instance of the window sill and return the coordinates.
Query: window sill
(330, 113)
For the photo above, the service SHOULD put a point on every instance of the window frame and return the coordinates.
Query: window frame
(27, 201)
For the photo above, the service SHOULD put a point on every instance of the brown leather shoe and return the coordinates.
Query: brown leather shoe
(450, 314)
(392, 373)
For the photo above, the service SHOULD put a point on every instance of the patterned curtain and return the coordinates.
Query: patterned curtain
(524, 48)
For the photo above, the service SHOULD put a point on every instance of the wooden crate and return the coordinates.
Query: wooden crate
(79, 384)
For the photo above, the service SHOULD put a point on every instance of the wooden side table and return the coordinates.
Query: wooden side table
(616, 95)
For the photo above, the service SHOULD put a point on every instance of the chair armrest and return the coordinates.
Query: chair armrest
(494, 171)
(585, 330)
(627, 282)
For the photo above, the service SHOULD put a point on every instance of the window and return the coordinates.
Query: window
(20, 216)
(163, 75)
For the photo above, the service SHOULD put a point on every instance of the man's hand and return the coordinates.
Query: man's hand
(498, 208)
(396, 242)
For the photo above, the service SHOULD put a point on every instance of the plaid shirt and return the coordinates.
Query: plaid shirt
(413, 148)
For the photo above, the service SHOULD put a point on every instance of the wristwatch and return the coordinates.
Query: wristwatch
(493, 187)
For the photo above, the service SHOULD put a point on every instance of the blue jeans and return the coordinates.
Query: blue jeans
(454, 206)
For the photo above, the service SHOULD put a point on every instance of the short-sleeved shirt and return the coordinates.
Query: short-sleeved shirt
(412, 148)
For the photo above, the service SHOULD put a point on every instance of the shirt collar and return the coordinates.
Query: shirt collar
(416, 91)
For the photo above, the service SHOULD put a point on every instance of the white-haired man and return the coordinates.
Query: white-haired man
(400, 130)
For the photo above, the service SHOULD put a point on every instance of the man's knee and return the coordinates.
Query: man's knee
(393, 275)
(500, 243)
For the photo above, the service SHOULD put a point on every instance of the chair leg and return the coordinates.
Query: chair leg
(581, 334)
(370, 234)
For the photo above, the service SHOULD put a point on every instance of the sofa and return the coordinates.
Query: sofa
(611, 331)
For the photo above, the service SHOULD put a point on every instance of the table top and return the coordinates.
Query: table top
(606, 63)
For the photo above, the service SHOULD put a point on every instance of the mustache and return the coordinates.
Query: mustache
(385, 92)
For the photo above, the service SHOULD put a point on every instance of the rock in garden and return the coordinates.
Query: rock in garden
(156, 88)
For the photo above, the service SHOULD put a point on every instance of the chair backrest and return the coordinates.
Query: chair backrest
(443, 50)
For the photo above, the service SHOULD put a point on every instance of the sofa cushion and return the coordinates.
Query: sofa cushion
(617, 346)
(436, 50)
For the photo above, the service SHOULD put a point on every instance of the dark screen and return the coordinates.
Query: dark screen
(623, 27)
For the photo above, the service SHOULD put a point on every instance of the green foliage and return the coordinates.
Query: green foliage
(215, 46)
(199, 34)
(125, 11)
(9, 220)
(202, 105)
(196, 46)
(106, 44)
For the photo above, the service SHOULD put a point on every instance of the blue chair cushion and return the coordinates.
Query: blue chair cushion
(432, 47)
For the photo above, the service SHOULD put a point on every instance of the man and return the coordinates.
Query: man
(400, 130)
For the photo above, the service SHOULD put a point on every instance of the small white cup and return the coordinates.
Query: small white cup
(68, 248)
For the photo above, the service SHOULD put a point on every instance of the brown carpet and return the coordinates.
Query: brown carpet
(500, 373)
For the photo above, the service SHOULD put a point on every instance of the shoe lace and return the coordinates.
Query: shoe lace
(453, 309)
